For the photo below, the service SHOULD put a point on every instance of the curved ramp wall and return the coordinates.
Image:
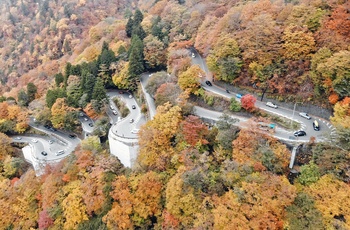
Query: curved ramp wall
(126, 149)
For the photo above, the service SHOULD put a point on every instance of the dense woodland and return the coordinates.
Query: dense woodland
(60, 57)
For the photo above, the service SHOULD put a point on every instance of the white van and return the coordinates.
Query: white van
(59, 152)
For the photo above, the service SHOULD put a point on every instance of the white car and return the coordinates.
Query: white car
(272, 105)
(130, 96)
(305, 115)
(18, 138)
(193, 55)
(35, 140)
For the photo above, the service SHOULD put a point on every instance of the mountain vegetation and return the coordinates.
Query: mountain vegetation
(60, 57)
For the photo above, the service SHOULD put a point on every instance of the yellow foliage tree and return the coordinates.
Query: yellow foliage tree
(155, 137)
(59, 111)
(120, 77)
(190, 79)
(332, 198)
(74, 209)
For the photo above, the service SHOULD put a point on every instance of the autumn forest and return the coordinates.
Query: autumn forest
(61, 57)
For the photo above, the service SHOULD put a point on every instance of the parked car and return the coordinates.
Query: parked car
(44, 153)
(133, 107)
(300, 133)
(59, 152)
(305, 115)
(35, 140)
(272, 105)
(131, 120)
(316, 125)
(208, 83)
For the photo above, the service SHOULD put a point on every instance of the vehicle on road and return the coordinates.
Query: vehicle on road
(53, 129)
(47, 126)
(239, 96)
(130, 96)
(81, 114)
(18, 138)
(59, 152)
(85, 119)
(44, 153)
(227, 91)
(305, 115)
(272, 105)
(72, 136)
(111, 107)
(50, 141)
(208, 83)
(300, 133)
(35, 140)
(115, 112)
(193, 55)
(316, 125)
(133, 107)
(91, 125)
(131, 120)
(135, 131)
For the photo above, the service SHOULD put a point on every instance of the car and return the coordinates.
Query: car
(91, 125)
(272, 105)
(131, 120)
(133, 107)
(35, 140)
(135, 131)
(18, 138)
(193, 55)
(50, 141)
(53, 129)
(115, 112)
(130, 96)
(44, 153)
(239, 96)
(111, 107)
(300, 133)
(305, 115)
(71, 136)
(316, 125)
(81, 114)
(85, 119)
(47, 126)
(59, 152)
(208, 83)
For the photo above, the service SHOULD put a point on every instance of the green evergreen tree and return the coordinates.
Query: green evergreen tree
(31, 91)
(129, 26)
(52, 95)
(22, 98)
(136, 65)
(59, 78)
(138, 17)
(99, 92)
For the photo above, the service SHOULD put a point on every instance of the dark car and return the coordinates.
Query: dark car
(47, 126)
(44, 153)
(53, 129)
(90, 124)
(71, 136)
(208, 83)
(300, 133)
(133, 107)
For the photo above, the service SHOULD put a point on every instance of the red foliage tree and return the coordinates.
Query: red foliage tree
(45, 221)
(248, 102)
